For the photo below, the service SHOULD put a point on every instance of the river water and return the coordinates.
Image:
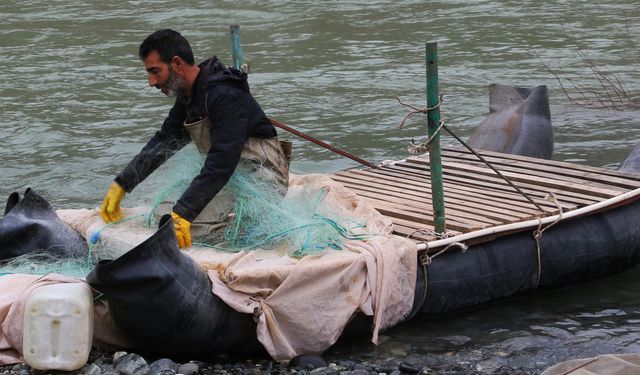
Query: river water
(76, 106)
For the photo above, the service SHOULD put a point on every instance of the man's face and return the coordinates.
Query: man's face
(162, 76)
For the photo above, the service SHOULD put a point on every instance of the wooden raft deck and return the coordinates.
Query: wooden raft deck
(475, 196)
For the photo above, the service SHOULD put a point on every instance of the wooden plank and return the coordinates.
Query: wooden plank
(557, 163)
(579, 177)
(487, 181)
(524, 178)
(500, 211)
(497, 184)
(459, 212)
(389, 210)
(420, 186)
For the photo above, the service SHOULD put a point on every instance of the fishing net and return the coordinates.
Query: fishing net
(258, 214)
(42, 263)
(261, 216)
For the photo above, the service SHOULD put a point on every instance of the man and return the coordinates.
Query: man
(215, 109)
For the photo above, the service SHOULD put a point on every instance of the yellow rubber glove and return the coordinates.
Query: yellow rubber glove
(183, 230)
(110, 209)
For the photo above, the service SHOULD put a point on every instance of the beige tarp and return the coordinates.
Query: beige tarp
(608, 364)
(301, 304)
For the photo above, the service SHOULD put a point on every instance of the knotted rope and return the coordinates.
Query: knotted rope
(537, 234)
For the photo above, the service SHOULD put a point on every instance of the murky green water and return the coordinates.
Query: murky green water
(76, 107)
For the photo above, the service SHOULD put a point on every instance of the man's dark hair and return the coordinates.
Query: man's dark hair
(167, 43)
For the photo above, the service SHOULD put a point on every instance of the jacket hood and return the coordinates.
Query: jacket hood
(213, 72)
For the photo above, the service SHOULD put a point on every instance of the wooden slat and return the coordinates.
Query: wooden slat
(459, 212)
(420, 183)
(498, 184)
(497, 210)
(562, 164)
(518, 166)
(546, 182)
(531, 189)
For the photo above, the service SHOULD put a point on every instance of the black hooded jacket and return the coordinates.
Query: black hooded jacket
(222, 94)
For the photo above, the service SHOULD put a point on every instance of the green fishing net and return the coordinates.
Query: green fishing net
(261, 216)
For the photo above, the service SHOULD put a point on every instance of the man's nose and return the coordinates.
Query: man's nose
(152, 81)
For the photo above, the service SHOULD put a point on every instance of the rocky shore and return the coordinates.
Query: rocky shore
(122, 363)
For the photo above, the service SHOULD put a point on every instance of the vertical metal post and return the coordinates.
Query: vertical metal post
(435, 158)
(236, 50)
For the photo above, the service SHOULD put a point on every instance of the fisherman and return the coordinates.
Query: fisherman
(216, 111)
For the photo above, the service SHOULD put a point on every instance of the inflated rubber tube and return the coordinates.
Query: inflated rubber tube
(163, 300)
(31, 225)
(572, 252)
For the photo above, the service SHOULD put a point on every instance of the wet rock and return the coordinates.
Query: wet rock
(19, 367)
(117, 355)
(408, 368)
(323, 371)
(190, 368)
(359, 372)
(456, 340)
(527, 343)
(131, 364)
(307, 361)
(163, 366)
(91, 369)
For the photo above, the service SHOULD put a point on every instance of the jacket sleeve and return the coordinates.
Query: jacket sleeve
(229, 130)
(167, 141)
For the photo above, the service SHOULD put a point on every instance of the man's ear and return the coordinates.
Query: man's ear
(177, 64)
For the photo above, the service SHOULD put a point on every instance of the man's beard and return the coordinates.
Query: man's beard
(175, 84)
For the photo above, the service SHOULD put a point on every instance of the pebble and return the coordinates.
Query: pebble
(163, 366)
(91, 369)
(190, 368)
(131, 364)
(307, 361)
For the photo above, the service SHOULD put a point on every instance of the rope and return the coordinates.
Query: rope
(423, 147)
(431, 232)
(416, 110)
(537, 234)
(426, 259)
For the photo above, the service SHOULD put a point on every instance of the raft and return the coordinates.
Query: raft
(498, 244)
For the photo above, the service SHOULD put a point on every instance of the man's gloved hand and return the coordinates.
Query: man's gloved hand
(110, 209)
(183, 230)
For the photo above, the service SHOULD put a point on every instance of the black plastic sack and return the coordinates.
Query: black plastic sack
(163, 300)
(31, 225)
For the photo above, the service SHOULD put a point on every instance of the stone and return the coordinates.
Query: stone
(132, 364)
(190, 368)
(91, 369)
(163, 366)
(323, 371)
(359, 372)
(408, 368)
(307, 361)
(117, 356)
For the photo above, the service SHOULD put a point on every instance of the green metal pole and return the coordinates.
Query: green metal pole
(435, 158)
(236, 50)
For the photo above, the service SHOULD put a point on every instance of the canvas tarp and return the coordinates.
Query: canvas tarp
(301, 304)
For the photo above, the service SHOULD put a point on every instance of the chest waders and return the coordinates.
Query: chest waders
(267, 159)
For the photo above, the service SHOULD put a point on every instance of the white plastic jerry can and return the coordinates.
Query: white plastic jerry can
(58, 326)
